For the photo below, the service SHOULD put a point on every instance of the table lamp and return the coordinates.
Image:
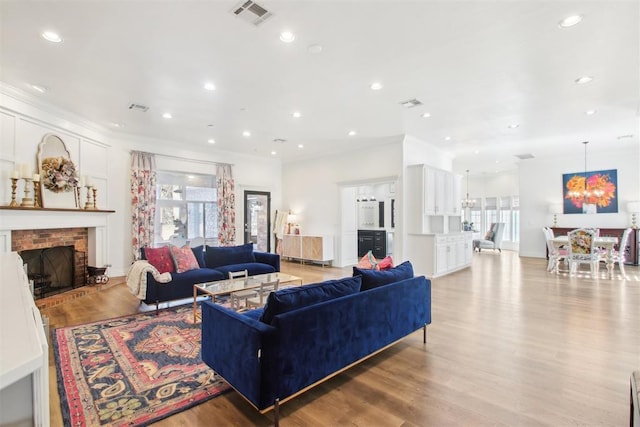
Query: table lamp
(634, 208)
(555, 209)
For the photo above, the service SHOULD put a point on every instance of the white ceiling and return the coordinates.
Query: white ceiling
(477, 67)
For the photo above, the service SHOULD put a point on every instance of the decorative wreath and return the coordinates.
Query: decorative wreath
(59, 174)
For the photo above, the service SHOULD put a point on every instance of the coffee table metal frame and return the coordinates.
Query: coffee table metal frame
(227, 286)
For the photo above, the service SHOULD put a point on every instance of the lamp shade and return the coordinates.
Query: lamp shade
(633, 207)
(555, 208)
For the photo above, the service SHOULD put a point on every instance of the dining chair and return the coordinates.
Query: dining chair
(583, 250)
(263, 292)
(555, 254)
(619, 255)
(237, 297)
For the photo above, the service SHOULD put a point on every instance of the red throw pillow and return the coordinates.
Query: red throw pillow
(386, 263)
(160, 258)
(183, 258)
(368, 262)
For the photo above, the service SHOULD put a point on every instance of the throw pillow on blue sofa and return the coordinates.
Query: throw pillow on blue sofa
(374, 278)
(218, 256)
(289, 299)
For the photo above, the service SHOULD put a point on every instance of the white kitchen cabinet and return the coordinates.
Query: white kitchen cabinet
(435, 255)
(433, 200)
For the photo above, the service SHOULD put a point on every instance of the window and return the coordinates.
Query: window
(186, 207)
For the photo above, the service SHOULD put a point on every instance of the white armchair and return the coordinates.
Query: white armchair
(492, 240)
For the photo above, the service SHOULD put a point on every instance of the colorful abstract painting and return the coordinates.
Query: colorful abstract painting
(601, 195)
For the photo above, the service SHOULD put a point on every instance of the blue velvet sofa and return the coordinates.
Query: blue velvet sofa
(215, 264)
(270, 358)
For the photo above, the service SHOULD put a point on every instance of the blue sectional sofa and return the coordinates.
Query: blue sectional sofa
(272, 354)
(215, 264)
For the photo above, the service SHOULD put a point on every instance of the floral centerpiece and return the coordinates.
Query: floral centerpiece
(59, 174)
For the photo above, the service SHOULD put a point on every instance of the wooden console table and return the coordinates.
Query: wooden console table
(632, 243)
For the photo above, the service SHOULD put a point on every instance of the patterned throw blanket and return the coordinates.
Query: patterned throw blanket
(137, 278)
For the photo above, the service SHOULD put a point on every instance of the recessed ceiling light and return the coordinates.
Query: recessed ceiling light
(297, 114)
(315, 48)
(476, 152)
(426, 115)
(190, 176)
(590, 112)
(117, 125)
(51, 36)
(38, 88)
(209, 86)
(514, 126)
(273, 153)
(570, 21)
(447, 138)
(246, 133)
(376, 86)
(211, 141)
(167, 115)
(584, 79)
(300, 146)
(352, 133)
(287, 36)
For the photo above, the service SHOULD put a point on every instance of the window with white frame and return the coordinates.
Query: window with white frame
(186, 207)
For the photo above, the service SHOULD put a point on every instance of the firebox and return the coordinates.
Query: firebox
(52, 270)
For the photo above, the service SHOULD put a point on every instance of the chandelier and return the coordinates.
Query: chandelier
(586, 192)
(467, 202)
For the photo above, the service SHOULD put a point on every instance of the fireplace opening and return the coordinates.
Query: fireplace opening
(52, 270)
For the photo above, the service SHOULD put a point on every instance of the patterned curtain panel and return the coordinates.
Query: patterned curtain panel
(226, 205)
(143, 200)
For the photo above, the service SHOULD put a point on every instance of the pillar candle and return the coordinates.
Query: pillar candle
(36, 177)
(87, 181)
(15, 174)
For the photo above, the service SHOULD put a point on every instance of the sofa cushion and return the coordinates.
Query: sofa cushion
(183, 258)
(252, 268)
(218, 256)
(288, 299)
(198, 252)
(374, 278)
(160, 258)
(195, 276)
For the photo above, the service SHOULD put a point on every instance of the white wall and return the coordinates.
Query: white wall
(24, 120)
(311, 189)
(541, 184)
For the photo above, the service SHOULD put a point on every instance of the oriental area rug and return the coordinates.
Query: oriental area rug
(132, 370)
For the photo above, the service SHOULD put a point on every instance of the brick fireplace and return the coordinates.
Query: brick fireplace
(85, 231)
(32, 243)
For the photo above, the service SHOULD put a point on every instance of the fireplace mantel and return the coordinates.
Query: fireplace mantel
(42, 218)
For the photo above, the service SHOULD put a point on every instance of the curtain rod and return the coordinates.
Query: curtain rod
(169, 156)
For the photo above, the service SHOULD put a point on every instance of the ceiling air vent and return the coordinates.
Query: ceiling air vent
(410, 103)
(251, 12)
(525, 156)
(138, 107)
(280, 140)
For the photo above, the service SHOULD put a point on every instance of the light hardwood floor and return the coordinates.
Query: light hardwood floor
(509, 345)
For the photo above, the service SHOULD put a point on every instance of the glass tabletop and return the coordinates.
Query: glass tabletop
(220, 287)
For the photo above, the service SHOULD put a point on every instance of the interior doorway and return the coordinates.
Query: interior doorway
(257, 219)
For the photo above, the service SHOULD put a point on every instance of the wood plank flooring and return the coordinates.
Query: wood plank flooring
(509, 345)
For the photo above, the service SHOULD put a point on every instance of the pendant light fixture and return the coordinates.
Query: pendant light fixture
(468, 202)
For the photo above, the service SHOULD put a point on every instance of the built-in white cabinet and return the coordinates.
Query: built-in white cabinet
(24, 352)
(433, 200)
(435, 255)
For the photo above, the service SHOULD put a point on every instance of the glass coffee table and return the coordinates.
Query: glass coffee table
(225, 287)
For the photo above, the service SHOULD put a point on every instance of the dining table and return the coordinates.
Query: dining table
(607, 243)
